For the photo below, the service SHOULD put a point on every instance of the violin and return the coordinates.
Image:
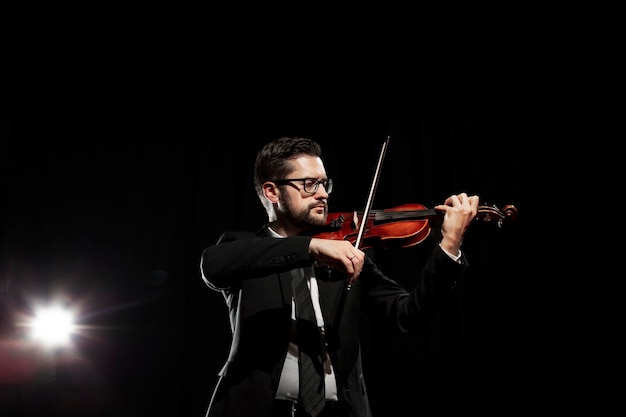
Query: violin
(398, 227)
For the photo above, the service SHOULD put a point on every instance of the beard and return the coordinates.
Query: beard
(304, 217)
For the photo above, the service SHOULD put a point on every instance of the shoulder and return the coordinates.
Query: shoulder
(230, 236)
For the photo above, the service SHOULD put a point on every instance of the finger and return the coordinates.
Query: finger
(356, 256)
(452, 200)
(353, 270)
(349, 266)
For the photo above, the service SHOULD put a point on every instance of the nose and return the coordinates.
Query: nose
(321, 190)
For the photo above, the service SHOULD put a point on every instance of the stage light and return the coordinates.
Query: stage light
(52, 326)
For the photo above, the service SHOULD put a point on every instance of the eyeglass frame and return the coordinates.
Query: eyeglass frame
(327, 183)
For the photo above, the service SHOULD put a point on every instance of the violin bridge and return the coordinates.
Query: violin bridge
(355, 221)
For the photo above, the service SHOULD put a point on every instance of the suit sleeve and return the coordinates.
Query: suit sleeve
(239, 255)
(409, 309)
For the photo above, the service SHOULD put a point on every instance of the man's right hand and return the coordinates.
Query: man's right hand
(338, 254)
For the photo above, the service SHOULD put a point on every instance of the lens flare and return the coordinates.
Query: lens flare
(52, 326)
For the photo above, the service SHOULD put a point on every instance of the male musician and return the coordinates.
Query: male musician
(262, 275)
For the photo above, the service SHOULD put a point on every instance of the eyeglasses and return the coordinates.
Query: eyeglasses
(310, 185)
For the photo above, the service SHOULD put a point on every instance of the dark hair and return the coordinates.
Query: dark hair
(272, 161)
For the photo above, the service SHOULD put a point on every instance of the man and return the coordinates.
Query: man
(273, 341)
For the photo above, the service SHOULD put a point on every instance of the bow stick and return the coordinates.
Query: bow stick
(366, 213)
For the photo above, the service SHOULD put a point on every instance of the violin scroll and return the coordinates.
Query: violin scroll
(493, 213)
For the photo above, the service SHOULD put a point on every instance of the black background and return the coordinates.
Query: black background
(122, 159)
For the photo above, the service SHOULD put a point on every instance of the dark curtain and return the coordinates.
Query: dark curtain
(116, 173)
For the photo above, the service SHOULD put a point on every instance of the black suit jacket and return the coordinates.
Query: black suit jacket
(253, 272)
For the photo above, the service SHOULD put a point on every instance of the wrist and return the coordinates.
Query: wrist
(455, 256)
(451, 248)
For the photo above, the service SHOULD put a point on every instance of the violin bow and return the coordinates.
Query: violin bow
(366, 213)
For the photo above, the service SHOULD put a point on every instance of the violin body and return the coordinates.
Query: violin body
(398, 227)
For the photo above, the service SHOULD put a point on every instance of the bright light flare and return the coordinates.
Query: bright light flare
(52, 326)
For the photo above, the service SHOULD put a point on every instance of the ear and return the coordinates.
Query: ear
(271, 192)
